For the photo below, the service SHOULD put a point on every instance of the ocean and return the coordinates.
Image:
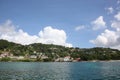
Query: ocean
(60, 70)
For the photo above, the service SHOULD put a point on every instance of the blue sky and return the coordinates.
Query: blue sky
(32, 16)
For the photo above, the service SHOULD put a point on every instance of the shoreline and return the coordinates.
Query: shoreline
(101, 61)
(69, 61)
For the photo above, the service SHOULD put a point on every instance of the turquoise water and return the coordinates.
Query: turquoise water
(60, 71)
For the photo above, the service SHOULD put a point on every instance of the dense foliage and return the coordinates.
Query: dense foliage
(55, 51)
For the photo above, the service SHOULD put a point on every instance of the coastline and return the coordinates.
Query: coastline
(102, 61)
(68, 61)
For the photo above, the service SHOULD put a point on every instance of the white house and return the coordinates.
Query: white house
(67, 58)
(5, 54)
(59, 60)
(33, 56)
(44, 57)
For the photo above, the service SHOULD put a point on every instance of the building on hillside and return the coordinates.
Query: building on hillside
(33, 56)
(17, 57)
(5, 54)
(77, 60)
(67, 59)
(59, 60)
(20, 57)
(44, 57)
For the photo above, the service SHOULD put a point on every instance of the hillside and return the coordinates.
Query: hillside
(50, 52)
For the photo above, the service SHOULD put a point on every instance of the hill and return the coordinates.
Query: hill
(50, 52)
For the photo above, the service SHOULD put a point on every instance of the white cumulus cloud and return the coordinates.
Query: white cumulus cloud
(53, 36)
(48, 35)
(7, 27)
(116, 25)
(79, 27)
(99, 23)
(117, 16)
(109, 38)
(110, 10)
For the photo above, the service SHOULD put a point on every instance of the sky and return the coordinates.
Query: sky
(70, 23)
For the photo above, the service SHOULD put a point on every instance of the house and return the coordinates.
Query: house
(33, 56)
(20, 57)
(77, 60)
(59, 60)
(17, 57)
(67, 59)
(44, 57)
(5, 54)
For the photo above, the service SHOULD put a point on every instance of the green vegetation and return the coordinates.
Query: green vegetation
(5, 59)
(54, 51)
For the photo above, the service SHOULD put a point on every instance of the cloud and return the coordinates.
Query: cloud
(53, 36)
(110, 10)
(99, 23)
(9, 32)
(79, 27)
(116, 25)
(118, 2)
(7, 27)
(48, 35)
(109, 38)
(117, 16)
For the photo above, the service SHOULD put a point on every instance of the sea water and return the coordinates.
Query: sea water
(60, 70)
